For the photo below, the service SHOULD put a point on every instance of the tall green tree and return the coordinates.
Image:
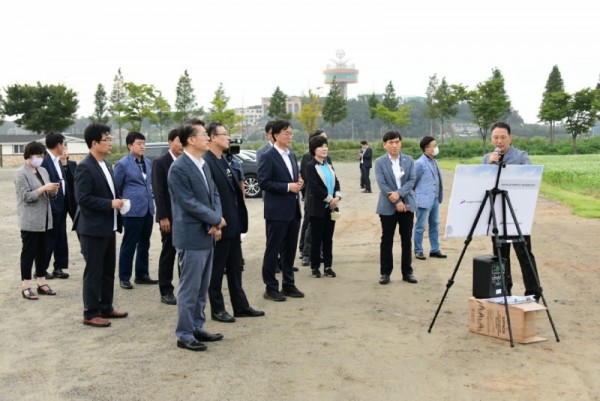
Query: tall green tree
(334, 108)
(372, 101)
(550, 111)
(310, 112)
(219, 111)
(489, 103)
(141, 103)
(446, 98)
(1, 109)
(118, 99)
(100, 106)
(278, 106)
(389, 109)
(185, 101)
(41, 108)
(162, 109)
(582, 113)
(431, 109)
(390, 100)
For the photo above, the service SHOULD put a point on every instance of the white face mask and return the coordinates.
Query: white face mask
(36, 161)
(436, 151)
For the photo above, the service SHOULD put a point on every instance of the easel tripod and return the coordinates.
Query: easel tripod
(490, 198)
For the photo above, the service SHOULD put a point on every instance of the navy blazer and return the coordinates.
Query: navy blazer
(274, 177)
(367, 158)
(317, 194)
(60, 203)
(95, 215)
(196, 207)
(130, 183)
(160, 188)
(232, 198)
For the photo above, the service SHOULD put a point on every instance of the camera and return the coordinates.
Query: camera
(234, 146)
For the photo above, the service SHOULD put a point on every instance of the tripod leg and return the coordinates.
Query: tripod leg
(462, 254)
(530, 264)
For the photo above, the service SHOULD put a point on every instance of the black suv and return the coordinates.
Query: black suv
(246, 158)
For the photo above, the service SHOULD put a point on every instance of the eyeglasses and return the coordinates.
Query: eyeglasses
(105, 140)
(226, 134)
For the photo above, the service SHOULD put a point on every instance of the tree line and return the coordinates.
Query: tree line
(45, 108)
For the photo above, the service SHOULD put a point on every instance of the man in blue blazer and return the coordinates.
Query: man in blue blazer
(96, 221)
(429, 191)
(395, 174)
(133, 177)
(57, 236)
(281, 183)
(197, 222)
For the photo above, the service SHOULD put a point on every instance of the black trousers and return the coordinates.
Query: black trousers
(322, 229)
(365, 180)
(166, 262)
(34, 249)
(404, 221)
(282, 237)
(57, 243)
(98, 275)
(228, 261)
(529, 271)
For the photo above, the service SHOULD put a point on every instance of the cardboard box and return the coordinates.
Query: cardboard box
(489, 319)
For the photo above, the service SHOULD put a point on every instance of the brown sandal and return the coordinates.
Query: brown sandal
(28, 294)
(48, 291)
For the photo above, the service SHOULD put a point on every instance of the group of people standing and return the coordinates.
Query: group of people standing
(200, 208)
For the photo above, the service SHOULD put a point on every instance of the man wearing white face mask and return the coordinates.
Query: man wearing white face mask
(429, 192)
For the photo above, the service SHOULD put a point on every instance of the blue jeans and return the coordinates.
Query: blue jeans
(432, 217)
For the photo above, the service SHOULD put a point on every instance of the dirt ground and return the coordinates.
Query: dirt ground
(348, 339)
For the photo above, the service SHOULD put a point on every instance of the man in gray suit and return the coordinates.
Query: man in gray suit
(197, 222)
(395, 175)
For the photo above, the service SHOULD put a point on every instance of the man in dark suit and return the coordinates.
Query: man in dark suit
(366, 157)
(133, 174)
(228, 250)
(70, 166)
(57, 236)
(164, 217)
(197, 222)
(279, 179)
(96, 221)
(267, 146)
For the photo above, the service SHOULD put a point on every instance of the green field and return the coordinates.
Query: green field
(571, 179)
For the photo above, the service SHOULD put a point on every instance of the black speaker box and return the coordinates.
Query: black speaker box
(487, 277)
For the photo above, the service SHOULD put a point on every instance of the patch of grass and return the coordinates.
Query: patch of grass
(571, 179)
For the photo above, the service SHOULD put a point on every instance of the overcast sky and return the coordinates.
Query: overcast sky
(253, 46)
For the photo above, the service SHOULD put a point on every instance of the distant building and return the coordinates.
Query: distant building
(13, 146)
(343, 73)
(251, 115)
(293, 105)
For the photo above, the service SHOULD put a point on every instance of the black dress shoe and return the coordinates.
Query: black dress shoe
(168, 299)
(223, 317)
(384, 279)
(48, 276)
(274, 296)
(410, 278)
(294, 268)
(437, 254)
(58, 273)
(145, 280)
(329, 272)
(203, 335)
(292, 291)
(420, 256)
(192, 345)
(126, 285)
(249, 312)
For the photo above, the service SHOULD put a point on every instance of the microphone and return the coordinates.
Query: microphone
(501, 156)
